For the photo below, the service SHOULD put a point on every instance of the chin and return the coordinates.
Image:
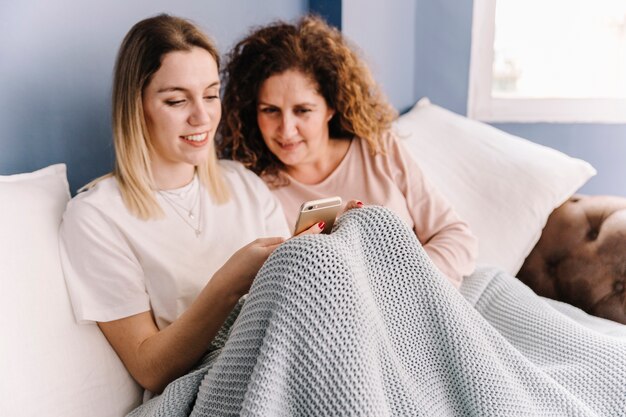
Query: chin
(289, 162)
(200, 157)
(194, 162)
(200, 161)
(289, 159)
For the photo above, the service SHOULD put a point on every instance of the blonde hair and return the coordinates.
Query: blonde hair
(139, 57)
(320, 52)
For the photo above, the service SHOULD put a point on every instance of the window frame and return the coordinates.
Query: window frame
(482, 106)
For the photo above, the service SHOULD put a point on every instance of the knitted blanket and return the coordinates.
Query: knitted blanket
(359, 322)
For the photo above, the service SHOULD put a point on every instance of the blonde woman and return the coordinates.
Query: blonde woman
(158, 252)
(302, 111)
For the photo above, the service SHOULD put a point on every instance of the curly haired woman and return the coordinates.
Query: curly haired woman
(303, 111)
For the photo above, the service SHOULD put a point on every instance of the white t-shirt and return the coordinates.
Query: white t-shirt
(117, 265)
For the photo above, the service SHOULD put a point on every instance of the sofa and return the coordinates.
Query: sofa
(580, 258)
(504, 186)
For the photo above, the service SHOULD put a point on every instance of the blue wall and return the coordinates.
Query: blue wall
(385, 34)
(56, 66)
(436, 46)
(57, 59)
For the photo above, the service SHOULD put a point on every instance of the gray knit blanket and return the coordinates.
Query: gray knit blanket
(360, 322)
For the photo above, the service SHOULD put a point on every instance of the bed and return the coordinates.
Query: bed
(508, 189)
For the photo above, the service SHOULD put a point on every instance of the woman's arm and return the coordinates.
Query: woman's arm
(446, 238)
(155, 358)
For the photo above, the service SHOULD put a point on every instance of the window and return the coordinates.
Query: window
(548, 60)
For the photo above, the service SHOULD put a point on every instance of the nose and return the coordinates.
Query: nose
(287, 126)
(199, 113)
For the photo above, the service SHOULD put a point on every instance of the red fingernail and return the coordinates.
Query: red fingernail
(321, 225)
(359, 204)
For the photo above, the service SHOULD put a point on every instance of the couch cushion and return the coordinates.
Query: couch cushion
(503, 186)
(581, 256)
(49, 365)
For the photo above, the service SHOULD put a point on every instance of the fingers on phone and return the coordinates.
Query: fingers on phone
(314, 230)
(352, 204)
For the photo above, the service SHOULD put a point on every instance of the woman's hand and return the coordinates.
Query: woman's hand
(237, 274)
(352, 204)
(319, 227)
(313, 230)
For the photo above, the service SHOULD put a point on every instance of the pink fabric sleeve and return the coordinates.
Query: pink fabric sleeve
(446, 238)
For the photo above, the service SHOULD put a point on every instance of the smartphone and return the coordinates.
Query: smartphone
(315, 211)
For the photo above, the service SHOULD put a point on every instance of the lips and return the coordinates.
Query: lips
(288, 146)
(196, 139)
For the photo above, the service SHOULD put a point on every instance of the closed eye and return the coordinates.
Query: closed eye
(269, 110)
(174, 102)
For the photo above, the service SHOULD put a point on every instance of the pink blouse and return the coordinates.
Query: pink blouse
(393, 180)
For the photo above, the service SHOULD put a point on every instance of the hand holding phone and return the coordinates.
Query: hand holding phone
(315, 211)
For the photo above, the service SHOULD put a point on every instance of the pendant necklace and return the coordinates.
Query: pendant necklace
(188, 213)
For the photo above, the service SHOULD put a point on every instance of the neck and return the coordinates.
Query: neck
(173, 178)
(325, 164)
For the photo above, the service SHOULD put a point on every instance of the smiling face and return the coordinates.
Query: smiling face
(293, 119)
(182, 109)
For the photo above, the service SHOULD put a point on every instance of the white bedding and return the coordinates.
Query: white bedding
(604, 326)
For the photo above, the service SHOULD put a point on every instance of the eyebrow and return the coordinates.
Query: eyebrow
(174, 88)
(262, 103)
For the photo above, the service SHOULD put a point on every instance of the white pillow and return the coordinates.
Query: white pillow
(504, 186)
(49, 365)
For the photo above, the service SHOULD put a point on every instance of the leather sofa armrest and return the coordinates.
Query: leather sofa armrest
(580, 258)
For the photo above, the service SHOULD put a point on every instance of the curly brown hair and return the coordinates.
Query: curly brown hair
(317, 50)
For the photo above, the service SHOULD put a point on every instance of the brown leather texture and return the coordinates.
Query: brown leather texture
(581, 256)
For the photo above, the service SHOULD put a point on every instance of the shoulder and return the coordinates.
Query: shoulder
(230, 167)
(390, 141)
(389, 147)
(396, 159)
(394, 148)
(244, 184)
(104, 193)
(386, 141)
(256, 202)
(104, 197)
(236, 173)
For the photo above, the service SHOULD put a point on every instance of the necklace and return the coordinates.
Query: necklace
(188, 212)
(167, 196)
